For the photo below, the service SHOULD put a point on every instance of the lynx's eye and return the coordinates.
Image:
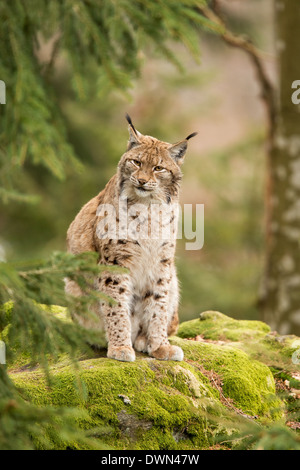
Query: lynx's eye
(158, 168)
(135, 162)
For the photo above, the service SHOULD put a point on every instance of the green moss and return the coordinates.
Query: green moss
(217, 326)
(253, 337)
(155, 404)
(249, 383)
(150, 404)
(168, 403)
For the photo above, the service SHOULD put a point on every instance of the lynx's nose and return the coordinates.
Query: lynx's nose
(142, 181)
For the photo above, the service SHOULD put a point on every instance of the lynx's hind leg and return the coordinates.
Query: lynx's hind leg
(91, 321)
(140, 343)
(173, 324)
(167, 352)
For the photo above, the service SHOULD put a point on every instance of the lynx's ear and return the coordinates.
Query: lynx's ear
(177, 151)
(134, 135)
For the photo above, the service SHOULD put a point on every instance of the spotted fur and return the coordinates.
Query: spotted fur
(145, 311)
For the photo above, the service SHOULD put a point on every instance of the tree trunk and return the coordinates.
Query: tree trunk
(281, 288)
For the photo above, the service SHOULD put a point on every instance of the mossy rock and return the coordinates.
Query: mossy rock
(217, 326)
(144, 405)
(249, 383)
(151, 404)
(253, 337)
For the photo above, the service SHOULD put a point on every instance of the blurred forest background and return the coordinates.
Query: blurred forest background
(72, 70)
(224, 169)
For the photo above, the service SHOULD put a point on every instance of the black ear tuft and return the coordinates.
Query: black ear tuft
(130, 122)
(191, 135)
(128, 119)
(134, 135)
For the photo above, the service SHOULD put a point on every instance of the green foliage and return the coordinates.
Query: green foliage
(28, 326)
(251, 436)
(106, 35)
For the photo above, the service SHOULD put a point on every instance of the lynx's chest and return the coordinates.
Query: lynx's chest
(153, 257)
(154, 268)
(143, 240)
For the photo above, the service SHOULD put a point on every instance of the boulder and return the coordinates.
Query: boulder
(225, 381)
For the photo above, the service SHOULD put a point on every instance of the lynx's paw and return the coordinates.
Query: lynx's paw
(168, 353)
(123, 353)
(140, 343)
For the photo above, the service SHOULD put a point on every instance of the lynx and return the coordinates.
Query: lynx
(145, 311)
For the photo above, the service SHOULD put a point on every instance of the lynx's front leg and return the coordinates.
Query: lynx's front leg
(117, 317)
(160, 311)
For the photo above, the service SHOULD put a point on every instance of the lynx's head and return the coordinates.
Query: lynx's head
(150, 169)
